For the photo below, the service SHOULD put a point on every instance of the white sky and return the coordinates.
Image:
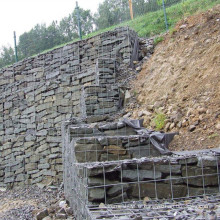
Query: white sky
(22, 15)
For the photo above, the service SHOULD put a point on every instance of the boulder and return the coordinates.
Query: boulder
(116, 190)
(42, 214)
(208, 161)
(116, 150)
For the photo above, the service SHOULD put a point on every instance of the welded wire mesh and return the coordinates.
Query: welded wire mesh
(120, 13)
(76, 80)
(121, 181)
(124, 182)
(141, 7)
(198, 208)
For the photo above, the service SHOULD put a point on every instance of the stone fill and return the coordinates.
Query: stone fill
(39, 93)
(109, 163)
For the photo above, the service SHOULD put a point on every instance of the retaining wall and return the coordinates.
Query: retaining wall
(114, 163)
(38, 93)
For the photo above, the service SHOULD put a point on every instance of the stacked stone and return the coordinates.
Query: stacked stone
(100, 100)
(155, 178)
(109, 142)
(123, 44)
(110, 163)
(103, 97)
(106, 72)
(112, 148)
(37, 94)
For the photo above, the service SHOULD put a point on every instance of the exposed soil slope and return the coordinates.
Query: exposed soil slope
(182, 80)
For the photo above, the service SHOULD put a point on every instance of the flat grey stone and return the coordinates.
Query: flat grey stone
(133, 175)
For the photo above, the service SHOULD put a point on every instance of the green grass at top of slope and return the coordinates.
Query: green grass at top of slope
(152, 23)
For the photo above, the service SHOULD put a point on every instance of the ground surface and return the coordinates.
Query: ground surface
(26, 203)
(206, 208)
(182, 81)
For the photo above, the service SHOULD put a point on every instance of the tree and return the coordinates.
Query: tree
(69, 25)
(41, 37)
(111, 12)
(160, 2)
(7, 56)
(33, 42)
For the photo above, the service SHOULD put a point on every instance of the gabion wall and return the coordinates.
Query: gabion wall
(111, 164)
(38, 93)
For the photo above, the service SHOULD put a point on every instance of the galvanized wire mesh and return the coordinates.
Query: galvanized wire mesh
(117, 180)
(39, 93)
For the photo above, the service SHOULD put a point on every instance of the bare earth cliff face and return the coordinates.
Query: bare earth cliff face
(182, 81)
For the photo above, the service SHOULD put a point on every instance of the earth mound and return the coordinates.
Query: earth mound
(181, 83)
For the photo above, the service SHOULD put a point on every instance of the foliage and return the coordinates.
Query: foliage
(172, 31)
(148, 21)
(185, 7)
(159, 121)
(38, 39)
(6, 56)
(151, 24)
(69, 25)
(158, 40)
(160, 2)
(41, 37)
(111, 12)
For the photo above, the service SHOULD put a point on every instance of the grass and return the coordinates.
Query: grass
(152, 23)
(158, 40)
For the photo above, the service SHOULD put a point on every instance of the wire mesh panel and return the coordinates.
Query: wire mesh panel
(99, 169)
(198, 208)
(110, 148)
(119, 11)
(39, 93)
(143, 180)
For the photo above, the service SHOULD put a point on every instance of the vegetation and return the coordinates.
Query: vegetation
(159, 121)
(213, 136)
(158, 40)
(148, 21)
(6, 56)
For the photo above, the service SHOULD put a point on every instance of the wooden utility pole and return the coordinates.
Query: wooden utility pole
(131, 9)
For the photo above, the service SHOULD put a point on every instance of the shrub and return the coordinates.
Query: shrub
(159, 121)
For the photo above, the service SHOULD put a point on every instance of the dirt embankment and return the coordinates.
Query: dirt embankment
(182, 81)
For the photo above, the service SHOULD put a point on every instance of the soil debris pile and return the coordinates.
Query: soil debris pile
(178, 89)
